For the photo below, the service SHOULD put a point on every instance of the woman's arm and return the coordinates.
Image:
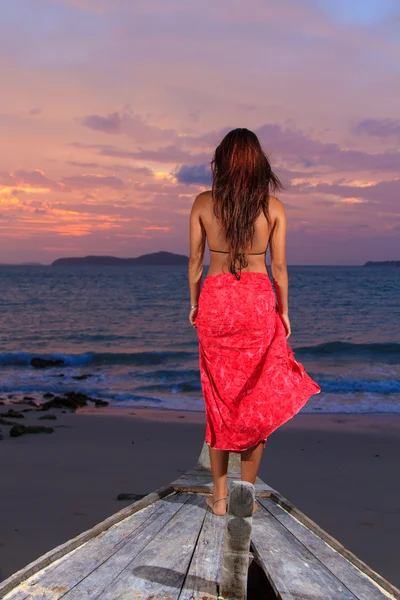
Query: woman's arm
(197, 249)
(278, 256)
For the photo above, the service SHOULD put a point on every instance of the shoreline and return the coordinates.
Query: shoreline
(339, 469)
(308, 420)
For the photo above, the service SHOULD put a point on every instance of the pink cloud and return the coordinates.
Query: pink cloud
(134, 126)
(84, 182)
(34, 179)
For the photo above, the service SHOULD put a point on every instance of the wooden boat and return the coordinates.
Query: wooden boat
(169, 545)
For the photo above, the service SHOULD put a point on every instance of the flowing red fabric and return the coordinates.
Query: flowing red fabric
(250, 380)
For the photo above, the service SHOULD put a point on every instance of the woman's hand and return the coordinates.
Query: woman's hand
(285, 320)
(192, 316)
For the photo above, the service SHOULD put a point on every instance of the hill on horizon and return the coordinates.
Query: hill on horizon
(152, 259)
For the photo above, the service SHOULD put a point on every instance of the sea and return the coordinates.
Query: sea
(124, 336)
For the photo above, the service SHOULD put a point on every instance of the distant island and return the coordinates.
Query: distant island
(153, 259)
(382, 263)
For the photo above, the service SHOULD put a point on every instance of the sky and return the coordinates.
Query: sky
(110, 111)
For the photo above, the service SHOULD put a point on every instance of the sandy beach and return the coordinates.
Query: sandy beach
(338, 469)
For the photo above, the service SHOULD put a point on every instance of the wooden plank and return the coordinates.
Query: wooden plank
(203, 574)
(57, 579)
(293, 571)
(57, 553)
(235, 555)
(159, 570)
(357, 582)
(334, 543)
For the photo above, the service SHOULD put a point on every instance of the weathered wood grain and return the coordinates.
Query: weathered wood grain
(235, 554)
(312, 526)
(168, 545)
(357, 582)
(203, 574)
(293, 571)
(82, 566)
(161, 566)
(60, 551)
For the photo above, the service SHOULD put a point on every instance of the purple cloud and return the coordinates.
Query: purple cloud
(386, 193)
(289, 150)
(131, 125)
(168, 154)
(197, 174)
(382, 128)
(95, 181)
(109, 124)
(295, 148)
(83, 165)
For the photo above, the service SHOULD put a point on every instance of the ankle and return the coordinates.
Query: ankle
(220, 492)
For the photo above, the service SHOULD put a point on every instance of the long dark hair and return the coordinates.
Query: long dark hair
(242, 179)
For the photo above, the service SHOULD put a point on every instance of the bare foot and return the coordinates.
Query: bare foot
(219, 507)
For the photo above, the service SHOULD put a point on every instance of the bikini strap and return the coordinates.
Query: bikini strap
(227, 252)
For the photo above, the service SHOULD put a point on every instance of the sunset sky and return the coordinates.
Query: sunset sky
(110, 111)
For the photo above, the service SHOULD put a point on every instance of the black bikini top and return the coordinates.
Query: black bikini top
(227, 251)
(242, 260)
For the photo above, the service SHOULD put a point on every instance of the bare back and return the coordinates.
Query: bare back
(219, 262)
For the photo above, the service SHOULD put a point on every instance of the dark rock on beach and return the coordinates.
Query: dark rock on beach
(17, 430)
(99, 403)
(48, 395)
(5, 422)
(13, 414)
(71, 400)
(29, 401)
(49, 417)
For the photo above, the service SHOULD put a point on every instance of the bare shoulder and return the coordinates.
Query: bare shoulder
(201, 201)
(204, 197)
(276, 208)
(276, 205)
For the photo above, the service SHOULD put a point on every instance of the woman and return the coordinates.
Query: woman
(250, 380)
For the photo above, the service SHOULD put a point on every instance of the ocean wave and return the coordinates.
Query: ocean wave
(347, 349)
(329, 386)
(156, 357)
(383, 351)
(351, 386)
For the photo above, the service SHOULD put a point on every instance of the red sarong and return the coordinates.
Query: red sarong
(250, 380)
